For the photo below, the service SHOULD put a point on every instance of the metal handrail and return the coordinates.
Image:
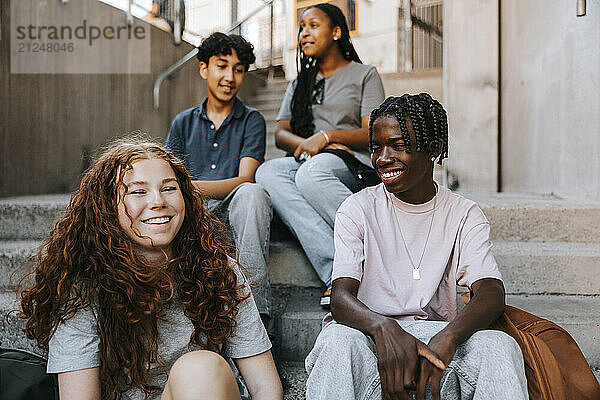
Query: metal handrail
(180, 63)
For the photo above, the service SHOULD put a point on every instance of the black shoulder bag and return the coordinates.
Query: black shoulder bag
(23, 377)
(365, 175)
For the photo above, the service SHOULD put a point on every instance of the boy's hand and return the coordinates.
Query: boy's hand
(310, 146)
(397, 360)
(445, 347)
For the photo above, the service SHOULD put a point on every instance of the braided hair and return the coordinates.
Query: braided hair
(307, 67)
(427, 116)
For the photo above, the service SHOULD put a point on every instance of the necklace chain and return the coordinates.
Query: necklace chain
(416, 274)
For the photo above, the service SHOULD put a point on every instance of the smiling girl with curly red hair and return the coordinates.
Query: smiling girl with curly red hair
(135, 295)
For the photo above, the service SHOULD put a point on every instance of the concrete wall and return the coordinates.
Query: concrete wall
(471, 91)
(398, 83)
(50, 123)
(377, 39)
(551, 98)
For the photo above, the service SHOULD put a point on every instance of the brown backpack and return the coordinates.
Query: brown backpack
(554, 365)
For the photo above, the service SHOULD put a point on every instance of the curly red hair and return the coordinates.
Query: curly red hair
(89, 261)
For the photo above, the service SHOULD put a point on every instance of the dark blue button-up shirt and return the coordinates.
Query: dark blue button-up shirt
(210, 154)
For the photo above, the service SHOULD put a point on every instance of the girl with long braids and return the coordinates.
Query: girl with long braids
(135, 296)
(325, 108)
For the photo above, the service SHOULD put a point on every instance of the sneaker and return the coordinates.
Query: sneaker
(326, 299)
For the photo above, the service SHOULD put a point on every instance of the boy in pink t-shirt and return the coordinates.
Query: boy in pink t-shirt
(401, 248)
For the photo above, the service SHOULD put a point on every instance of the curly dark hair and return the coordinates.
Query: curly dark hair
(428, 118)
(89, 261)
(220, 43)
(302, 116)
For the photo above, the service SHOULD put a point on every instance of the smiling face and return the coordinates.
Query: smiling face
(224, 75)
(316, 37)
(152, 209)
(405, 172)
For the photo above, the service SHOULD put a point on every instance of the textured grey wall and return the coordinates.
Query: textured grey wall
(471, 91)
(551, 98)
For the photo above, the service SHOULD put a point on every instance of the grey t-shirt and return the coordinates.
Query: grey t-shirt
(74, 345)
(348, 94)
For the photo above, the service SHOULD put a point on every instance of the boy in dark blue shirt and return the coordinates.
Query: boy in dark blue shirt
(222, 143)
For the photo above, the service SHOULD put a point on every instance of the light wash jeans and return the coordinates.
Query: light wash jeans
(247, 210)
(343, 365)
(306, 196)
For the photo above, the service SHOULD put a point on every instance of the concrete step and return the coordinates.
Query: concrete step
(270, 115)
(13, 260)
(278, 85)
(537, 218)
(513, 217)
(287, 264)
(549, 268)
(266, 106)
(527, 267)
(294, 385)
(11, 331)
(273, 152)
(300, 322)
(275, 96)
(30, 217)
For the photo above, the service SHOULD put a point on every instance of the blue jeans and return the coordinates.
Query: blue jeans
(343, 365)
(247, 210)
(306, 195)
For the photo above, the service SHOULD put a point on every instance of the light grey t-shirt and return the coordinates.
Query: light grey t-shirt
(74, 345)
(348, 94)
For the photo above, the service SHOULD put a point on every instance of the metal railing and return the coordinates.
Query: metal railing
(427, 36)
(190, 55)
(421, 35)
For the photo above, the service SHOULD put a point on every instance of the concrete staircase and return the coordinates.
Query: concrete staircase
(267, 100)
(548, 250)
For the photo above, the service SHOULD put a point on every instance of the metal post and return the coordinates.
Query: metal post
(408, 50)
(581, 8)
(234, 16)
(177, 23)
(128, 15)
(271, 69)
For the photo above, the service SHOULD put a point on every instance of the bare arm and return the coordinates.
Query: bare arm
(486, 305)
(260, 375)
(285, 139)
(347, 139)
(220, 189)
(397, 351)
(83, 384)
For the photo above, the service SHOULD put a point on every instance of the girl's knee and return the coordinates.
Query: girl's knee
(309, 176)
(272, 170)
(264, 173)
(198, 369)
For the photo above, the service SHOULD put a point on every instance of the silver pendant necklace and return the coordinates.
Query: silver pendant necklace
(416, 273)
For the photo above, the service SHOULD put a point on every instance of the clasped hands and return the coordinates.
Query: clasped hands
(406, 364)
(314, 145)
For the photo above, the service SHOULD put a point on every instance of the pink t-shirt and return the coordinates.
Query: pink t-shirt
(369, 248)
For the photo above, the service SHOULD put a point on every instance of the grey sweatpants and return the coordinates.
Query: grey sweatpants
(343, 365)
(247, 210)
